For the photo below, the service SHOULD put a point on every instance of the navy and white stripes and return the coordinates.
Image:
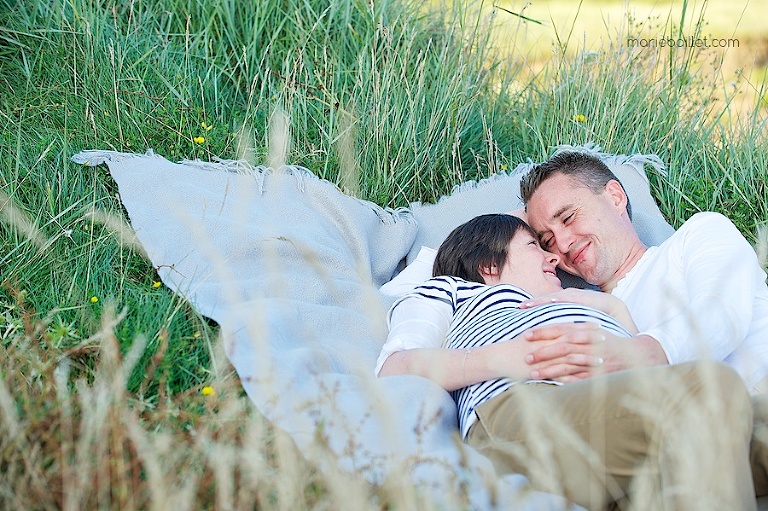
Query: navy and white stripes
(485, 315)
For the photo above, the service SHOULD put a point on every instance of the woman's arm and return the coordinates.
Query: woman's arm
(604, 302)
(418, 326)
(453, 369)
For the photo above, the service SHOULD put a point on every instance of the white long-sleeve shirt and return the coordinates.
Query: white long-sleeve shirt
(702, 294)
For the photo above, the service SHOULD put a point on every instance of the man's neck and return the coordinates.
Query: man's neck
(634, 255)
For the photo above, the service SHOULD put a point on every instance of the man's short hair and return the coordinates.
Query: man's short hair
(479, 243)
(587, 169)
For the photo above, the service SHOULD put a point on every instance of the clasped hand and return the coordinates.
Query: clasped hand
(575, 351)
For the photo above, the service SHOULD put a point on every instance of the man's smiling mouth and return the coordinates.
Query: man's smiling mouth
(579, 255)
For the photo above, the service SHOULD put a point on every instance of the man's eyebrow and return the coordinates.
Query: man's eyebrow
(555, 216)
(560, 211)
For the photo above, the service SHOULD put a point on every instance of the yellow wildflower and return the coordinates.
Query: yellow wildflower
(208, 391)
(94, 299)
(199, 140)
(196, 335)
(156, 284)
(206, 126)
(579, 118)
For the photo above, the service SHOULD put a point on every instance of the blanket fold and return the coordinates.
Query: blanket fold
(289, 267)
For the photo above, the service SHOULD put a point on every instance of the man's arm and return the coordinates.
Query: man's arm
(599, 300)
(562, 359)
(720, 276)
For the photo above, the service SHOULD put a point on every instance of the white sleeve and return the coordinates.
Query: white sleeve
(415, 321)
(413, 275)
(721, 272)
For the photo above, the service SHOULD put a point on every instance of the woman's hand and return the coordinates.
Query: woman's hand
(574, 351)
(604, 302)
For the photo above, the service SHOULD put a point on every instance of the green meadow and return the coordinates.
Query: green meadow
(105, 372)
(734, 42)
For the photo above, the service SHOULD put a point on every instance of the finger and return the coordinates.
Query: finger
(553, 352)
(557, 371)
(575, 359)
(561, 330)
(575, 346)
(575, 377)
(558, 296)
(541, 300)
(584, 360)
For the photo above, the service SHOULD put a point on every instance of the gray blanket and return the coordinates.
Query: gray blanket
(290, 269)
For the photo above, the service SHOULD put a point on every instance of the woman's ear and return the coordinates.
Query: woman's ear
(490, 274)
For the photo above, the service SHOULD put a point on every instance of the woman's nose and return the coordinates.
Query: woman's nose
(552, 258)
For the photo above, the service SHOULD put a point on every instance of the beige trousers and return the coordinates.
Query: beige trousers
(759, 451)
(666, 437)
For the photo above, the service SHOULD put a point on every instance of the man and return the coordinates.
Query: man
(700, 294)
(608, 440)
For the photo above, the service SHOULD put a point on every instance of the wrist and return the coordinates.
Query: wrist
(464, 379)
(651, 352)
(503, 359)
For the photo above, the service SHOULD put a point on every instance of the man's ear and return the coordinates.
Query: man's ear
(617, 194)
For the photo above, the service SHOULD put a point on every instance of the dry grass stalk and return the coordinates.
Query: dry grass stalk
(15, 217)
(73, 440)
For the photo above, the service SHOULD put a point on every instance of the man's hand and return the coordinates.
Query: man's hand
(576, 351)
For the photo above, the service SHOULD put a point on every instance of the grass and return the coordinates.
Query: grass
(590, 25)
(103, 371)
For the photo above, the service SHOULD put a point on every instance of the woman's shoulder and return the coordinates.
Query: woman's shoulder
(449, 284)
(498, 296)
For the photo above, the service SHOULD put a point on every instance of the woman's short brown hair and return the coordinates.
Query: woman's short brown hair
(480, 243)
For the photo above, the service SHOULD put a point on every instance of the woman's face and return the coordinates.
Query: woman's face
(528, 266)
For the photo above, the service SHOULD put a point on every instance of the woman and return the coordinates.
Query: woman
(588, 440)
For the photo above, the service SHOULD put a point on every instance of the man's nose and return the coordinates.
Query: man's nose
(563, 242)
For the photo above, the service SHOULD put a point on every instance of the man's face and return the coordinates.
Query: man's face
(587, 231)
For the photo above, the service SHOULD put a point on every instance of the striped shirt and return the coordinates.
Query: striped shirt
(470, 315)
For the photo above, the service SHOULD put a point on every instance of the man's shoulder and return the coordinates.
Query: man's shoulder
(700, 229)
(707, 219)
(708, 223)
